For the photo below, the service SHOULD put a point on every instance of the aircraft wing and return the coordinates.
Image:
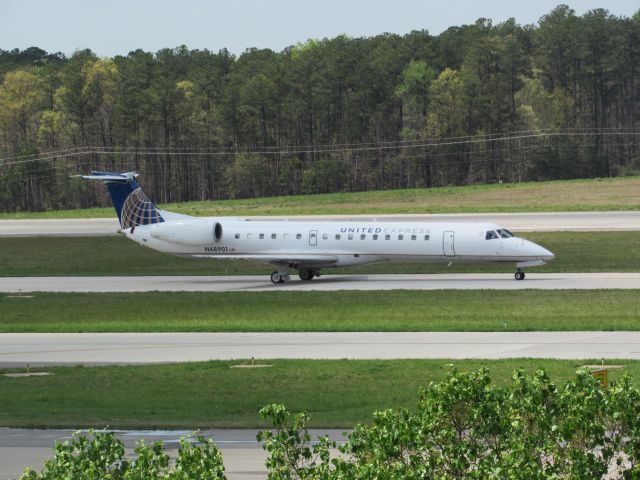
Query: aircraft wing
(279, 259)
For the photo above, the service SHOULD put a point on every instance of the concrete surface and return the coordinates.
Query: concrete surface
(255, 283)
(21, 349)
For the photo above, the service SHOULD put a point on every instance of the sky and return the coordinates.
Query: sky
(115, 27)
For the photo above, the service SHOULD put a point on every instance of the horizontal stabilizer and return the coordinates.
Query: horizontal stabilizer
(111, 177)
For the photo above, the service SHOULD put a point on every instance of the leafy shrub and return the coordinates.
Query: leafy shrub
(100, 456)
(467, 428)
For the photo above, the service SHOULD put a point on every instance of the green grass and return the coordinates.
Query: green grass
(573, 195)
(88, 256)
(210, 394)
(395, 310)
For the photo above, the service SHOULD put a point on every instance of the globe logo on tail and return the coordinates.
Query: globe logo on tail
(139, 210)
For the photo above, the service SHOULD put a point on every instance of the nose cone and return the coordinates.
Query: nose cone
(537, 252)
(543, 254)
(547, 254)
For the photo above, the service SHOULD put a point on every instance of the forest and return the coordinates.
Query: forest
(478, 103)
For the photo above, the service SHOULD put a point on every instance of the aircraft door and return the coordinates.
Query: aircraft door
(313, 238)
(448, 245)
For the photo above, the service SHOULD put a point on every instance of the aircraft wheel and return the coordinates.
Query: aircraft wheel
(306, 274)
(519, 275)
(276, 278)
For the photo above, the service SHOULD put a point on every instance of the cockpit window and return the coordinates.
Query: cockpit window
(491, 235)
(504, 233)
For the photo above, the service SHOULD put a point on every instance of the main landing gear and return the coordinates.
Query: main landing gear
(282, 275)
(519, 274)
(308, 274)
(277, 277)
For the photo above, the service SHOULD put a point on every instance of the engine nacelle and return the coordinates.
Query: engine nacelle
(187, 232)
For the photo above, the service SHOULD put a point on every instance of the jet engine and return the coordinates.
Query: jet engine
(187, 232)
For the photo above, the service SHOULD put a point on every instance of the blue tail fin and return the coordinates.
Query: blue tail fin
(131, 203)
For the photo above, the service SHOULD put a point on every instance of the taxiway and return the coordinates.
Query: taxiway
(254, 283)
(21, 349)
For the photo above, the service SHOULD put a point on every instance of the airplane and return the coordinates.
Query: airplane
(310, 246)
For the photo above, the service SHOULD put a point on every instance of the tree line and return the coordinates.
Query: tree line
(464, 427)
(477, 103)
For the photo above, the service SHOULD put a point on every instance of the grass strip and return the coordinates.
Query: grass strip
(394, 310)
(337, 393)
(89, 256)
(602, 194)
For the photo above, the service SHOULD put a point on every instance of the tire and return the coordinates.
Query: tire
(519, 275)
(304, 275)
(276, 278)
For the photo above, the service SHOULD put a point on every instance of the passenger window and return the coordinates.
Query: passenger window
(273, 236)
(426, 237)
(237, 236)
(285, 236)
(375, 236)
(337, 236)
(400, 237)
(363, 236)
(491, 235)
(325, 236)
(298, 236)
(249, 236)
(387, 237)
(413, 237)
(261, 236)
(351, 236)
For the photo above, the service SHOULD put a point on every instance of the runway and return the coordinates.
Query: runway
(523, 222)
(261, 283)
(243, 457)
(21, 349)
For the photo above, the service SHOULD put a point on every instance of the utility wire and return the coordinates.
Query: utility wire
(331, 149)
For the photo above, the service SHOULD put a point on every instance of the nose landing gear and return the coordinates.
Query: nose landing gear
(531, 263)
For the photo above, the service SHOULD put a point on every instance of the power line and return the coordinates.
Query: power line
(422, 160)
(366, 147)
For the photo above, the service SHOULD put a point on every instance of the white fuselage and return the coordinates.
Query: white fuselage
(336, 243)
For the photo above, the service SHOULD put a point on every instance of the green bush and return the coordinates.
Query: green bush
(467, 428)
(100, 456)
